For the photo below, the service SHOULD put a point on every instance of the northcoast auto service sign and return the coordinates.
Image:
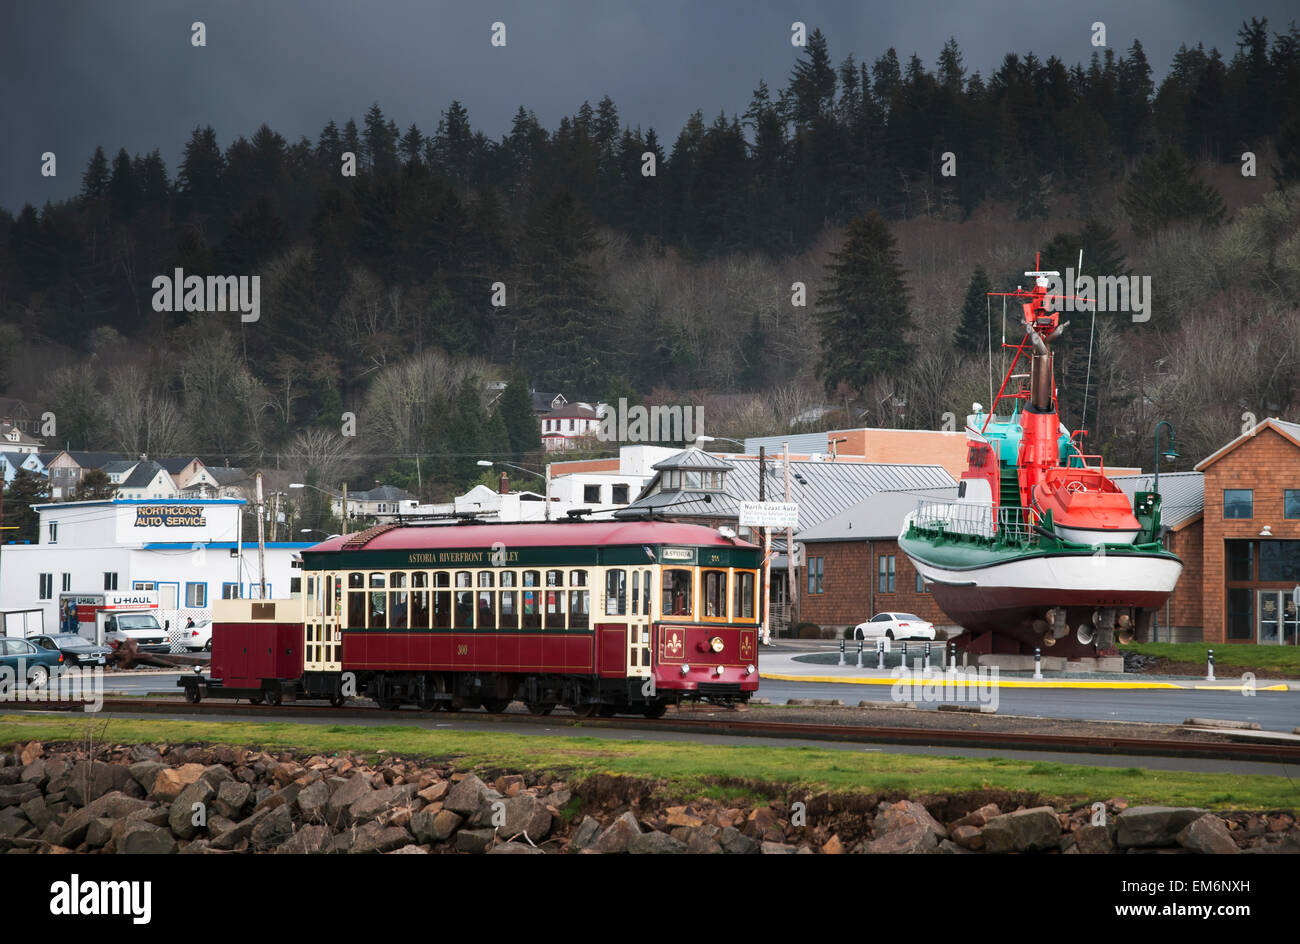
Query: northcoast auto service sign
(169, 516)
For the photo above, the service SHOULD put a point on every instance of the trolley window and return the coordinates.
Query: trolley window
(509, 618)
(398, 602)
(715, 594)
(441, 600)
(579, 609)
(615, 592)
(419, 600)
(356, 601)
(464, 600)
(378, 602)
(677, 592)
(532, 606)
(744, 605)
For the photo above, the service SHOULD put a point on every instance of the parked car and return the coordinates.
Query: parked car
(31, 663)
(77, 650)
(198, 637)
(142, 627)
(894, 626)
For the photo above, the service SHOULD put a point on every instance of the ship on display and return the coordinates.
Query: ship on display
(1040, 549)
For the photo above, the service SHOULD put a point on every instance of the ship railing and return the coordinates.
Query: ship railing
(1014, 526)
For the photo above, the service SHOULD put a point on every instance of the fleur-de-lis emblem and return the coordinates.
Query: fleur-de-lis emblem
(674, 644)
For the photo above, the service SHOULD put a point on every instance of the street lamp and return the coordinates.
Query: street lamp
(1168, 454)
(546, 478)
(318, 531)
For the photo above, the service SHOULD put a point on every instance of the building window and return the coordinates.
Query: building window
(619, 495)
(886, 573)
(816, 574)
(920, 583)
(1291, 503)
(196, 594)
(295, 584)
(591, 494)
(67, 582)
(110, 581)
(47, 586)
(1279, 561)
(1238, 503)
(230, 591)
(54, 533)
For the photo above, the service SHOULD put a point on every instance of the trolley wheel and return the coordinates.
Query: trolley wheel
(655, 710)
(193, 695)
(390, 704)
(274, 698)
(540, 707)
(608, 711)
(585, 711)
(336, 701)
(496, 705)
(255, 699)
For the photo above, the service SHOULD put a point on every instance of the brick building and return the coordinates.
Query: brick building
(1251, 560)
(852, 567)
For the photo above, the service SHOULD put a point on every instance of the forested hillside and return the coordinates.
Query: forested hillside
(677, 285)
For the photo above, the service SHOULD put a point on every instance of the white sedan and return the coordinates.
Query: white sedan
(894, 626)
(198, 638)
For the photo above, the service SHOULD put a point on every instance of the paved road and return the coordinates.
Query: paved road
(1274, 711)
(468, 721)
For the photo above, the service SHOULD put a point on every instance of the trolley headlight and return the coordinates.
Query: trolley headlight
(716, 643)
(719, 670)
(685, 668)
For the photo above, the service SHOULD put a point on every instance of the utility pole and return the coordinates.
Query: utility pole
(261, 541)
(792, 593)
(275, 515)
(345, 509)
(767, 548)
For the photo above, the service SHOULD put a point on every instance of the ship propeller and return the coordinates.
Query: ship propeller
(1084, 634)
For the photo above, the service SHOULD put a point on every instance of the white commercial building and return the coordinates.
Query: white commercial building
(188, 552)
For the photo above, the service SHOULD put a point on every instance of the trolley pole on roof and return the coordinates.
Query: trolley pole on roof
(792, 591)
(767, 548)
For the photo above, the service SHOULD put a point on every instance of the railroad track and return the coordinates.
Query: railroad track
(866, 734)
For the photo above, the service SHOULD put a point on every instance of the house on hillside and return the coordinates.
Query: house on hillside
(13, 439)
(565, 427)
(66, 470)
(148, 481)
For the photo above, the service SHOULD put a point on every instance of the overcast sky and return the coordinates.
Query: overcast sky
(124, 73)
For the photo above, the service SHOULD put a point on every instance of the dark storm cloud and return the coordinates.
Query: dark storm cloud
(123, 74)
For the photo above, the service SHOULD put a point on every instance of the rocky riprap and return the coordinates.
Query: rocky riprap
(143, 798)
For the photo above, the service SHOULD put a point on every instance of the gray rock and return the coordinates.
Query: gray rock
(469, 796)
(226, 835)
(36, 810)
(410, 850)
(734, 842)
(17, 794)
(1208, 836)
(232, 798)
(778, 848)
(189, 803)
(1096, 840)
(72, 830)
(704, 840)
(1145, 826)
(89, 781)
(515, 848)
(1034, 830)
(14, 822)
(526, 815)
(372, 838)
(587, 834)
(145, 773)
(655, 843)
(146, 839)
(274, 828)
(912, 839)
(217, 774)
(435, 827)
(34, 773)
(99, 832)
(891, 816)
(143, 752)
(615, 839)
(343, 795)
(474, 840)
(312, 800)
(375, 802)
(948, 847)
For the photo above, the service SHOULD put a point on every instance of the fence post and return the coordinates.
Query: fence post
(927, 657)
(1210, 675)
(841, 652)
(859, 652)
(880, 654)
(1038, 663)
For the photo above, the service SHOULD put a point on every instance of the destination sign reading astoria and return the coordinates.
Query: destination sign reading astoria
(170, 516)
